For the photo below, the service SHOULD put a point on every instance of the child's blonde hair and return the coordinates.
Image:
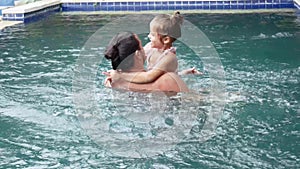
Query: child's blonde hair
(168, 25)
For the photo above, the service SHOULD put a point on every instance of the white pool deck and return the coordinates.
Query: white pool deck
(297, 2)
(4, 24)
(31, 7)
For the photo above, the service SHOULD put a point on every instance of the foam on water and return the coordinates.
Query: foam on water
(275, 36)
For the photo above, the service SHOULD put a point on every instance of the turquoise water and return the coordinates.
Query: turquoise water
(258, 128)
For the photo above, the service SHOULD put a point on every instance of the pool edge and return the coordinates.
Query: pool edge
(19, 14)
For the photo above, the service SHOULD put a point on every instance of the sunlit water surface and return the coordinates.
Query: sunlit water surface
(258, 128)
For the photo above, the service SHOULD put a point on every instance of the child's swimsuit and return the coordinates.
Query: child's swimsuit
(150, 53)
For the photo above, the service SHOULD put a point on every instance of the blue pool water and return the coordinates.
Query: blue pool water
(258, 127)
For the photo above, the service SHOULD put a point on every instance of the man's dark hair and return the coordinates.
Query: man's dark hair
(121, 49)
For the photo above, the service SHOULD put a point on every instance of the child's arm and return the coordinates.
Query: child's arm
(137, 77)
(166, 63)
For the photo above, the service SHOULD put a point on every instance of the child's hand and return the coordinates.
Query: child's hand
(107, 82)
(195, 71)
(191, 71)
(113, 75)
(106, 73)
(108, 79)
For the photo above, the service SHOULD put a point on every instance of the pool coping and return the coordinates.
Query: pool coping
(32, 7)
(297, 4)
(18, 14)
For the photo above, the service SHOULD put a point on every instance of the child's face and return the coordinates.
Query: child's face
(155, 39)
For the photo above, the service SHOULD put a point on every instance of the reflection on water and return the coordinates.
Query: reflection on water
(40, 127)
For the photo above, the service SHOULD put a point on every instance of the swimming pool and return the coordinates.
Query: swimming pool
(259, 126)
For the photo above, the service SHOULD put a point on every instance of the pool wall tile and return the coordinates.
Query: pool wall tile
(203, 5)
